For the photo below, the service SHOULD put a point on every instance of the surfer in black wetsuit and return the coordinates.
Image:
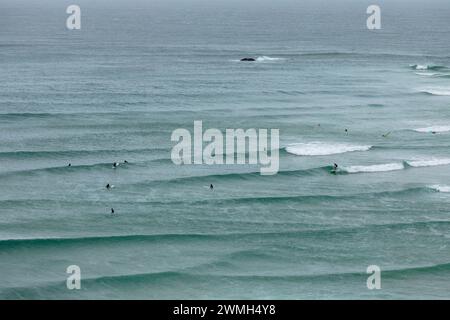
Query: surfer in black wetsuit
(125, 161)
(69, 165)
(108, 186)
(211, 187)
(112, 210)
(115, 164)
(335, 167)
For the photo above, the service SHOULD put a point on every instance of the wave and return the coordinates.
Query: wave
(428, 162)
(266, 59)
(437, 92)
(433, 129)
(427, 74)
(427, 67)
(290, 93)
(10, 243)
(319, 198)
(61, 169)
(322, 149)
(190, 275)
(262, 59)
(238, 176)
(314, 171)
(74, 153)
(87, 167)
(440, 188)
(65, 115)
(395, 166)
(183, 237)
(375, 168)
(137, 283)
(370, 54)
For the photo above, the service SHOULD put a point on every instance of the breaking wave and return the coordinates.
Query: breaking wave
(433, 129)
(440, 188)
(266, 59)
(428, 162)
(437, 92)
(395, 166)
(375, 168)
(323, 149)
(426, 67)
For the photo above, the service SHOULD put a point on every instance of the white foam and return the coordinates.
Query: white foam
(420, 67)
(428, 162)
(266, 58)
(375, 168)
(322, 148)
(440, 188)
(424, 66)
(437, 92)
(433, 129)
(262, 59)
(426, 74)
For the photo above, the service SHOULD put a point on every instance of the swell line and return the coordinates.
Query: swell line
(157, 238)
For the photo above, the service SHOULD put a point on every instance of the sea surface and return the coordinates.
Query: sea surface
(137, 70)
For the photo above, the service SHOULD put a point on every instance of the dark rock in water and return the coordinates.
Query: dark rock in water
(248, 59)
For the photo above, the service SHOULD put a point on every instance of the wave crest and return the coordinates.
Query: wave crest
(266, 58)
(375, 168)
(426, 67)
(428, 162)
(427, 74)
(323, 149)
(440, 188)
(437, 92)
(433, 129)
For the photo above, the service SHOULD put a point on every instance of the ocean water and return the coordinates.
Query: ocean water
(137, 70)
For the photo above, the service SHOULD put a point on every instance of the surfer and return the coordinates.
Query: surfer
(112, 210)
(335, 168)
(125, 161)
(386, 134)
(69, 165)
(211, 187)
(108, 186)
(346, 130)
(115, 164)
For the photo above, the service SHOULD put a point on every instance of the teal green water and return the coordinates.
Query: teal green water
(116, 89)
